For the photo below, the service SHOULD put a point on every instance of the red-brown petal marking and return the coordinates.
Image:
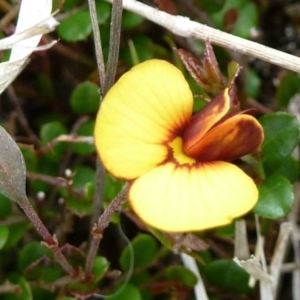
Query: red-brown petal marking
(234, 138)
(204, 120)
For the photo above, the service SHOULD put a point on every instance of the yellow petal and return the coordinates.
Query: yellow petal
(147, 107)
(183, 198)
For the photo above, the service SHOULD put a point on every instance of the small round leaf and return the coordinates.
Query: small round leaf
(48, 133)
(84, 148)
(85, 98)
(281, 136)
(76, 28)
(276, 198)
(182, 274)
(288, 87)
(144, 248)
(31, 253)
(228, 275)
(100, 266)
(287, 167)
(131, 20)
(103, 11)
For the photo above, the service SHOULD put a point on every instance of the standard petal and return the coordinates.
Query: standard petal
(146, 108)
(183, 198)
(204, 120)
(234, 138)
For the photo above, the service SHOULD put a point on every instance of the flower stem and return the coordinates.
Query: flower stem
(103, 222)
(49, 240)
(107, 78)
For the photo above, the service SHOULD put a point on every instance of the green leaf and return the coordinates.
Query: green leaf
(287, 167)
(228, 275)
(31, 253)
(71, 3)
(30, 158)
(84, 148)
(211, 6)
(48, 167)
(48, 133)
(276, 198)
(247, 19)
(253, 83)
(140, 278)
(12, 169)
(128, 292)
(144, 248)
(103, 11)
(182, 274)
(40, 266)
(80, 207)
(85, 98)
(112, 187)
(26, 290)
(83, 179)
(131, 20)
(89, 190)
(100, 267)
(4, 233)
(52, 130)
(281, 136)
(288, 87)
(16, 232)
(77, 27)
(5, 206)
(144, 49)
(83, 175)
(40, 293)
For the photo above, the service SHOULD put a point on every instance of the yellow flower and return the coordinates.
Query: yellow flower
(177, 163)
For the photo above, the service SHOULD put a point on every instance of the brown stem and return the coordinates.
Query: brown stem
(57, 182)
(99, 191)
(97, 42)
(49, 240)
(114, 45)
(106, 81)
(103, 222)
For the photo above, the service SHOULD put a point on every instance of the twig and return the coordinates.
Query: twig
(199, 288)
(9, 16)
(103, 222)
(114, 45)
(97, 42)
(57, 182)
(293, 218)
(49, 240)
(8, 287)
(99, 191)
(21, 116)
(264, 285)
(106, 81)
(241, 248)
(183, 26)
(100, 170)
(281, 247)
(67, 139)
